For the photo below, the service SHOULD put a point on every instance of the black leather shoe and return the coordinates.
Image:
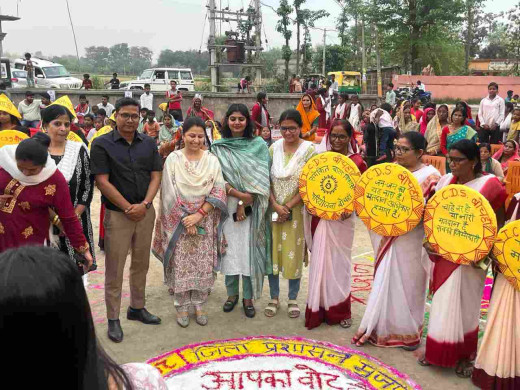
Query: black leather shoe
(142, 315)
(229, 305)
(115, 333)
(249, 310)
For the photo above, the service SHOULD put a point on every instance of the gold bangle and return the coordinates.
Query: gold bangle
(55, 219)
(229, 191)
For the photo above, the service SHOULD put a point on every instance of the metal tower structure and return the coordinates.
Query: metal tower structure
(239, 17)
(5, 18)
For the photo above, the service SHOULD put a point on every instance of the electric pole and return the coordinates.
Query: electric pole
(363, 58)
(212, 48)
(324, 50)
(258, 40)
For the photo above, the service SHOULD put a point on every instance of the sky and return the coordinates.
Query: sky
(157, 24)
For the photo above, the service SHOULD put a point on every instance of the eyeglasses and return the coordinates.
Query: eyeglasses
(456, 160)
(341, 137)
(402, 149)
(290, 129)
(126, 116)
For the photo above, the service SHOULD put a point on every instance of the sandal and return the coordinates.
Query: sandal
(183, 320)
(201, 319)
(464, 369)
(423, 362)
(272, 308)
(293, 310)
(359, 341)
(346, 323)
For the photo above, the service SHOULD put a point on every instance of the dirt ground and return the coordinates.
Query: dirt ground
(142, 342)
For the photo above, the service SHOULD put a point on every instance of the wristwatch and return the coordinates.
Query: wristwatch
(240, 203)
(147, 204)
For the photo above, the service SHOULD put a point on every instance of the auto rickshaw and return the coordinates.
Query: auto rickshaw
(349, 82)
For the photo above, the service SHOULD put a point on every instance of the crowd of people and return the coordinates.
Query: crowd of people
(230, 204)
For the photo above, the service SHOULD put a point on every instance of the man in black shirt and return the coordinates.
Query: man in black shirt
(128, 169)
(114, 82)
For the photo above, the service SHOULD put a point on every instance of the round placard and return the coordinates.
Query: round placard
(11, 137)
(389, 200)
(74, 137)
(327, 184)
(460, 224)
(507, 252)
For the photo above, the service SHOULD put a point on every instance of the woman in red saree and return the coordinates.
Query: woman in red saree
(197, 109)
(331, 255)
(30, 184)
(457, 289)
(506, 154)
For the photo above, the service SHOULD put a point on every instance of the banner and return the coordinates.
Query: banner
(460, 224)
(11, 137)
(507, 253)
(389, 200)
(327, 185)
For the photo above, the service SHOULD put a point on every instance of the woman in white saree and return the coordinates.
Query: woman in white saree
(457, 289)
(395, 309)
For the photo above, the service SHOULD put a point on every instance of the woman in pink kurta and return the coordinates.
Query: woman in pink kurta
(31, 184)
(457, 289)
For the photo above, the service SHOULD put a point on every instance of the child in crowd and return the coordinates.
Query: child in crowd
(151, 127)
(515, 99)
(82, 108)
(111, 121)
(95, 110)
(87, 83)
(98, 124)
(514, 130)
(88, 124)
(102, 114)
(142, 120)
(169, 130)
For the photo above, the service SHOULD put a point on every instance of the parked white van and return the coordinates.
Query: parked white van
(159, 79)
(50, 74)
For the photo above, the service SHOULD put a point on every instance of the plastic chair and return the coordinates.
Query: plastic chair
(438, 162)
(495, 148)
(512, 180)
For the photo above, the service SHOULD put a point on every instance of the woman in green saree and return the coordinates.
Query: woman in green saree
(245, 162)
(457, 130)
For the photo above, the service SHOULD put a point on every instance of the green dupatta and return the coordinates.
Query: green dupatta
(245, 165)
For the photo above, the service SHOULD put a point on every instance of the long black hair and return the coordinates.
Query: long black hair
(35, 149)
(54, 111)
(472, 152)
(44, 309)
(242, 109)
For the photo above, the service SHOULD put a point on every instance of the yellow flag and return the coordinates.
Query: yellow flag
(8, 106)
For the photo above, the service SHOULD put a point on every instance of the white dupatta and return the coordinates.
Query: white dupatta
(279, 169)
(8, 162)
(67, 164)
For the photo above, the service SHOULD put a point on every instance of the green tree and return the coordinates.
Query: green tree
(413, 18)
(283, 27)
(118, 59)
(496, 42)
(513, 45)
(97, 57)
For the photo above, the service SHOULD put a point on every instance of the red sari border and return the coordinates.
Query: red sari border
(446, 354)
(334, 315)
(487, 382)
